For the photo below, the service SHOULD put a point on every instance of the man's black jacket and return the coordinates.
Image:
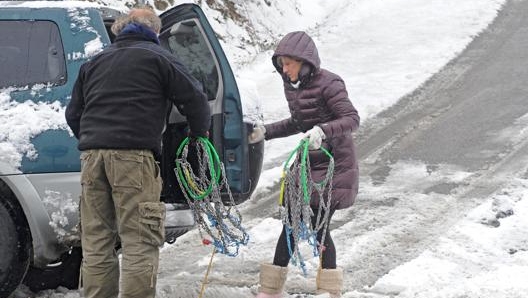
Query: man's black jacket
(121, 97)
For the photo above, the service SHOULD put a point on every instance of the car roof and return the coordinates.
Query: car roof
(107, 11)
(39, 4)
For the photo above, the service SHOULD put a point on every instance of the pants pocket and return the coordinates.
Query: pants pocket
(86, 171)
(157, 170)
(127, 170)
(152, 223)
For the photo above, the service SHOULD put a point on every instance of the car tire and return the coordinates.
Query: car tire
(15, 249)
(64, 273)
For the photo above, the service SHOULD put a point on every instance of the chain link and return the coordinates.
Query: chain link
(296, 212)
(223, 224)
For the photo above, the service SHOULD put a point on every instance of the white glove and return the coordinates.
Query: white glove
(315, 137)
(257, 135)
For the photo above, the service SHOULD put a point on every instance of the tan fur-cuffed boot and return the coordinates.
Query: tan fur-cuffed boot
(330, 281)
(272, 279)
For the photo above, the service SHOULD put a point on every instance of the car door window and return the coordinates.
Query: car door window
(187, 42)
(31, 52)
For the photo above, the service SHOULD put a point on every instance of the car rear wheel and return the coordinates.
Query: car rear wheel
(14, 248)
(65, 272)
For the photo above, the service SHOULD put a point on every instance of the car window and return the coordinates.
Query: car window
(31, 52)
(187, 42)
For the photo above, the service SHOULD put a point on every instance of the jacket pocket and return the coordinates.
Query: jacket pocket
(152, 223)
(127, 170)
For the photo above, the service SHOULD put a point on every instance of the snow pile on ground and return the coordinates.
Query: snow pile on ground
(484, 255)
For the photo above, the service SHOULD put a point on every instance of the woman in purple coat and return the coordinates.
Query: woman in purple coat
(319, 107)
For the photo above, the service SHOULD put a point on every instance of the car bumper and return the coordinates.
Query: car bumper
(178, 221)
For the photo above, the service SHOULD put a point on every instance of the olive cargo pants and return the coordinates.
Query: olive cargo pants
(120, 198)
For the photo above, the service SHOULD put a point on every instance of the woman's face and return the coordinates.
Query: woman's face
(290, 67)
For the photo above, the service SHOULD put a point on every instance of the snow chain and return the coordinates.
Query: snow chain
(296, 191)
(202, 191)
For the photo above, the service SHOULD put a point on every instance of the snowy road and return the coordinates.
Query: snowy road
(425, 163)
(467, 119)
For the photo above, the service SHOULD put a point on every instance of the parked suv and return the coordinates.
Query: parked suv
(42, 46)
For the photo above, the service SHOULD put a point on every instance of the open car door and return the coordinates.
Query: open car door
(187, 34)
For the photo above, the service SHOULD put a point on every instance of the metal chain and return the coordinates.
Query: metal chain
(222, 223)
(296, 212)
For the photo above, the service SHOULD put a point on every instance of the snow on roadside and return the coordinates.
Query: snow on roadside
(484, 255)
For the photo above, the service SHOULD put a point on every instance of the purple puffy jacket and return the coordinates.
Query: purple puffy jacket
(320, 100)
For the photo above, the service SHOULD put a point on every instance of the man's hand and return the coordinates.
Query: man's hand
(257, 135)
(315, 137)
